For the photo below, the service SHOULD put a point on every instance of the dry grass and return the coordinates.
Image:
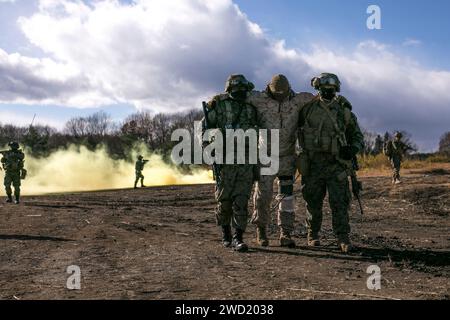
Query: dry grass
(379, 165)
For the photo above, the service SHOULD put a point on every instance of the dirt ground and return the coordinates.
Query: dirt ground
(162, 243)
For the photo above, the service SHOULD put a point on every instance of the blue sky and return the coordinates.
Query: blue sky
(68, 59)
(343, 23)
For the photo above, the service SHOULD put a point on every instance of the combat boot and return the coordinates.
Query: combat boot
(17, 201)
(261, 237)
(313, 240)
(226, 236)
(9, 199)
(285, 240)
(238, 242)
(344, 243)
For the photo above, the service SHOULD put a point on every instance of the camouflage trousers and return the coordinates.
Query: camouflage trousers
(332, 177)
(264, 193)
(233, 194)
(139, 176)
(14, 180)
(396, 165)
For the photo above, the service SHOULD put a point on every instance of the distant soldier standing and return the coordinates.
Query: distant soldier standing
(395, 151)
(330, 138)
(234, 182)
(278, 107)
(140, 163)
(13, 164)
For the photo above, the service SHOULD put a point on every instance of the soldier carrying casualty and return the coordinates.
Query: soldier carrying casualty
(13, 164)
(395, 150)
(330, 138)
(140, 163)
(234, 182)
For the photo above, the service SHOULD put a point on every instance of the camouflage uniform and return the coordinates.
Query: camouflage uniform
(13, 164)
(139, 167)
(325, 162)
(235, 182)
(395, 150)
(282, 115)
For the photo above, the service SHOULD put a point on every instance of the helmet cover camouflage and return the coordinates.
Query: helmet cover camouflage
(237, 82)
(279, 86)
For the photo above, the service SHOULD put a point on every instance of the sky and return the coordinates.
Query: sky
(60, 58)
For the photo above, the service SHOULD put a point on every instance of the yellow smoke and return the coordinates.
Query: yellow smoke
(79, 169)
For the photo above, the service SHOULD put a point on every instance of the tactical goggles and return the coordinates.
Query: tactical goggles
(328, 81)
(237, 82)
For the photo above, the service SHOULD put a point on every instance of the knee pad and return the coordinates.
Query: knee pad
(286, 185)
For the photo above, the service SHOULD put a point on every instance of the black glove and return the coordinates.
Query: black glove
(347, 153)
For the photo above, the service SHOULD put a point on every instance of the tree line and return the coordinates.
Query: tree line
(153, 130)
(98, 129)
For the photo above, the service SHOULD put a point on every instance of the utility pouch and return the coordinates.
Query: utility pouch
(23, 174)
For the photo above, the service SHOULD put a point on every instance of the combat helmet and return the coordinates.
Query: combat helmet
(13, 145)
(279, 85)
(326, 79)
(140, 157)
(237, 82)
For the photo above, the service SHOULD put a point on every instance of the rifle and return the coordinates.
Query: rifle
(205, 126)
(356, 185)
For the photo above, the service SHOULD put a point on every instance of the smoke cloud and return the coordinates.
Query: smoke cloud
(80, 169)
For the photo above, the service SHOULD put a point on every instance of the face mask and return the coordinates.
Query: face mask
(240, 95)
(328, 93)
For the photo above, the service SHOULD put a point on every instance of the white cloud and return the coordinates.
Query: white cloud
(169, 55)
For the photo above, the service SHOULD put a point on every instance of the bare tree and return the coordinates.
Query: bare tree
(444, 143)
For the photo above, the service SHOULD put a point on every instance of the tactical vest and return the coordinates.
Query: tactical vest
(231, 114)
(324, 130)
(227, 113)
(13, 161)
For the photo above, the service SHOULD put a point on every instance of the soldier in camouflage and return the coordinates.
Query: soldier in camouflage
(395, 151)
(329, 137)
(139, 167)
(234, 184)
(13, 164)
(278, 107)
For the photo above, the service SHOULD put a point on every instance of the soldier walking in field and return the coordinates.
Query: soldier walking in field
(330, 138)
(395, 150)
(230, 111)
(139, 167)
(13, 164)
(278, 107)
